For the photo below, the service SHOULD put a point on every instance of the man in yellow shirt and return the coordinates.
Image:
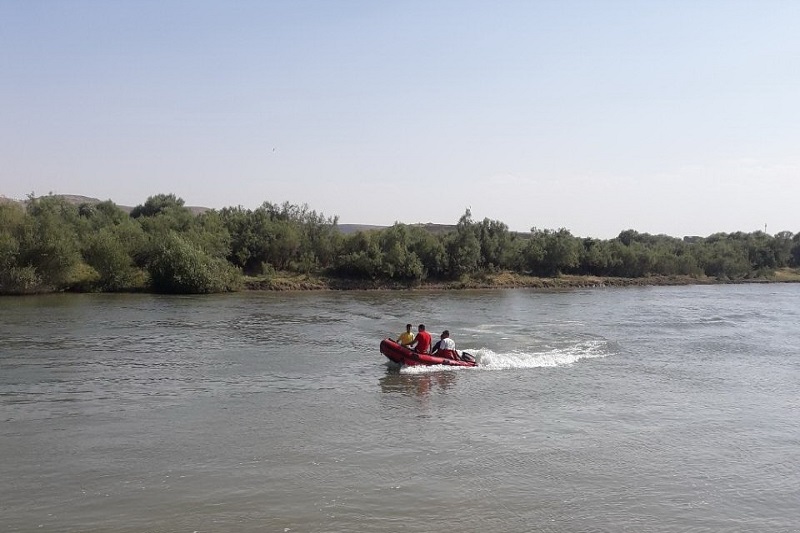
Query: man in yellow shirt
(406, 337)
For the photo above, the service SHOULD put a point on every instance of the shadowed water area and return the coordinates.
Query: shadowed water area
(654, 409)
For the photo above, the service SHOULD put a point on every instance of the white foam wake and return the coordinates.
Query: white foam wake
(547, 356)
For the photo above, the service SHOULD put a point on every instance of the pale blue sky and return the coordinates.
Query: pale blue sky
(676, 117)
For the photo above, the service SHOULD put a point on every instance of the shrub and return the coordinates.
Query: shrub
(178, 267)
(108, 256)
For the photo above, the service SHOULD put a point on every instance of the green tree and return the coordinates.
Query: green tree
(725, 258)
(208, 231)
(463, 248)
(497, 244)
(164, 213)
(15, 277)
(794, 260)
(180, 267)
(552, 252)
(430, 251)
(782, 248)
(287, 237)
(399, 262)
(157, 204)
(111, 252)
(48, 242)
(360, 257)
(242, 227)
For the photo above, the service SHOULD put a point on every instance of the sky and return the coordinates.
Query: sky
(662, 116)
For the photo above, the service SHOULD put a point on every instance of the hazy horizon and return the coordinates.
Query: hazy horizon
(672, 118)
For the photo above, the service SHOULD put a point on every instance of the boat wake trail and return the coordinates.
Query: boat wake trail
(544, 356)
(537, 357)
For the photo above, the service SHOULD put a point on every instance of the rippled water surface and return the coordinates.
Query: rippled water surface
(620, 410)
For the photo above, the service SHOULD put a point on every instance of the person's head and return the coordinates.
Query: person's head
(408, 327)
(422, 327)
(445, 334)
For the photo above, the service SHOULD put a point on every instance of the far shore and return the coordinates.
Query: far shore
(292, 282)
(503, 280)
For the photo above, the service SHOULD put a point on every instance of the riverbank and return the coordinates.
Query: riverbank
(502, 280)
(287, 281)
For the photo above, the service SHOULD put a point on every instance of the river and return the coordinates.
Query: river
(652, 409)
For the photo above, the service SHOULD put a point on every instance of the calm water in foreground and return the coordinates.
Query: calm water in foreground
(606, 410)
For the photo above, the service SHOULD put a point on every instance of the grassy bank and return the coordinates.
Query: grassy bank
(502, 280)
(787, 275)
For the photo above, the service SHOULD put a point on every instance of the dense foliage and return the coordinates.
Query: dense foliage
(51, 244)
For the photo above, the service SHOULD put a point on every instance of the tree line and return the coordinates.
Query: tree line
(51, 244)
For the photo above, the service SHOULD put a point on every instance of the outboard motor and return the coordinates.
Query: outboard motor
(467, 357)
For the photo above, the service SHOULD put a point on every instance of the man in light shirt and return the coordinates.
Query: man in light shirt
(446, 347)
(406, 337)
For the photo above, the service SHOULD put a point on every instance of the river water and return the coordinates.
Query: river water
(656, 409)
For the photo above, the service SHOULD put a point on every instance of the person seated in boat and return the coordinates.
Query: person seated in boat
(405, 338)
(422, 342)
(446, 347)
(437, 345)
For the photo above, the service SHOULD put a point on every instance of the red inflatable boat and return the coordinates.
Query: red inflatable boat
(406, 356)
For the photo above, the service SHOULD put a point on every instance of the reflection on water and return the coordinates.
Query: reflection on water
(396, 382)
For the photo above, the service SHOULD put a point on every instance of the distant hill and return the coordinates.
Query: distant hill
(436, 228)
(77, 199)
(348, 229)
